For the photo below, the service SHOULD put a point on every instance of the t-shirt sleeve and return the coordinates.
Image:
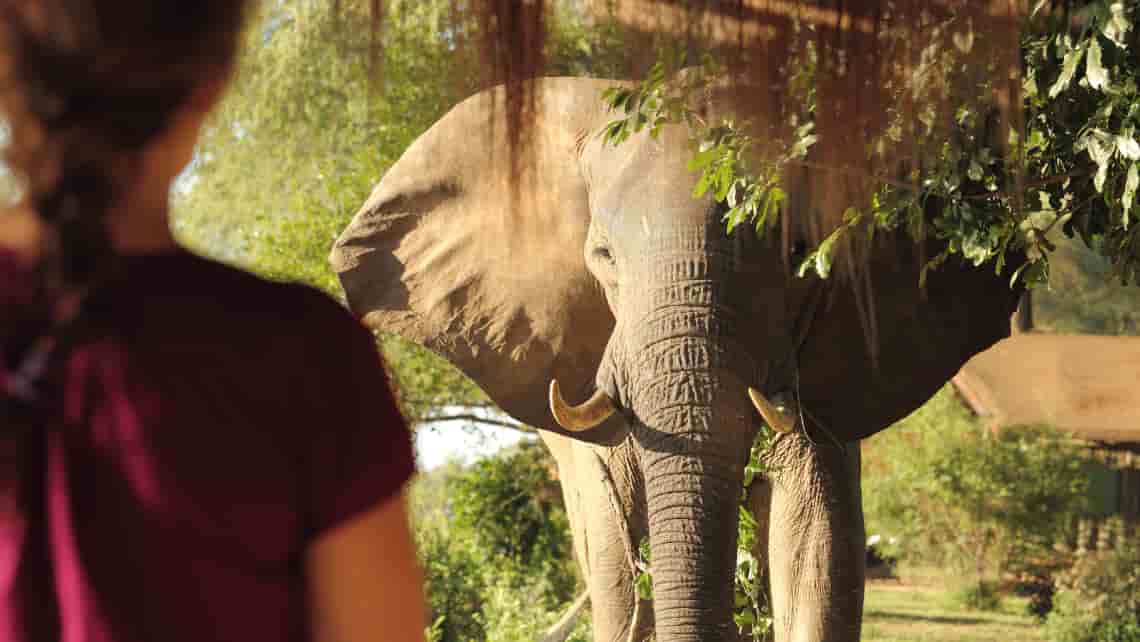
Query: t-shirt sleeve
(361, 453)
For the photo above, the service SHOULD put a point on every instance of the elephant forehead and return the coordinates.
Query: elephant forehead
(644, 184)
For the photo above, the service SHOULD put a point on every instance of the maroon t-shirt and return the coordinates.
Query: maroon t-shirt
(212, 428)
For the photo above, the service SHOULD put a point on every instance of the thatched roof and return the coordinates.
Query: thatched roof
(1086, 385)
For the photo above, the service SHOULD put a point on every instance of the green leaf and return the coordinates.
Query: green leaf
(1128, 147)
(964, 41)
(616, 97)
(1100, 178)
(800, 149)
(1068, 70)
(734, 217)
(702, 159)
(703, 185)
(823, 253)
(732, 193)
(1100, 147)
(772, 201)
(724, 180)
(1040, 220)
(1117, 26)
(1095, 72)
(645, 586)
(1128, 198)
(975, 171)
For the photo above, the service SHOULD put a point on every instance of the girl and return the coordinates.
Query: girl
(187, 452)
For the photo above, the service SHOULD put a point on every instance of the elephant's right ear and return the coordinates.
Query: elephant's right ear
(443, 255)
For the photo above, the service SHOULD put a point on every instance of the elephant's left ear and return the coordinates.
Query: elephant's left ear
(446, 255)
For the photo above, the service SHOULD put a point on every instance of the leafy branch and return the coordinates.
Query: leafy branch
(1077, 161)
(751, 194)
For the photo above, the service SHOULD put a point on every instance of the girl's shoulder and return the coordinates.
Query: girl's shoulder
(184, 292)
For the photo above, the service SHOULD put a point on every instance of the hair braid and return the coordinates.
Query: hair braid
(85, 86)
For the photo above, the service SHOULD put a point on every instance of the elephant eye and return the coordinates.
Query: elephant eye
(603, 253)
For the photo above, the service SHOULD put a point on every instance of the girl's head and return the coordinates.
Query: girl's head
(101, 100)
(100, 96)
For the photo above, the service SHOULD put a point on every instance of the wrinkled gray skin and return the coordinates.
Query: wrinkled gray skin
(610, 275)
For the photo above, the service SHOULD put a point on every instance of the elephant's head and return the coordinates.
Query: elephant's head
(607, 276)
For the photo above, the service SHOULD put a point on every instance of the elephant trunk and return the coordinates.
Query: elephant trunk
(685, 371)
(692, 533)
(693, 436)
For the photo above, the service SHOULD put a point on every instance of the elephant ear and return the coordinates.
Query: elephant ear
(490, 274)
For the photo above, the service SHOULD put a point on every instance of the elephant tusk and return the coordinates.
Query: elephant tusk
(776, 416)
(579, 418)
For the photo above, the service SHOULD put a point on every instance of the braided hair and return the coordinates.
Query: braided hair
(85, 86)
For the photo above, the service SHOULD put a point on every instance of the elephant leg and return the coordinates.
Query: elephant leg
(612, 597)
(613, 527)
(816, 541)
(597, 506)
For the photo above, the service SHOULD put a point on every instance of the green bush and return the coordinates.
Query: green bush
(954, 493)
(1098, 599)
(511, 506)
(472, 597)
(519, 607)
(497, 552)
(1031, 575)
(455, 585)
(979, 596)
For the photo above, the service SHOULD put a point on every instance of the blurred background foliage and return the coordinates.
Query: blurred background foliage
(495, 545)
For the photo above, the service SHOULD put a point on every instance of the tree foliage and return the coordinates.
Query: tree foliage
(1098, 599)
(990, 195)
(495, 542)
(952, 491)
(1082, 92)
(301, 137)
(512, 506)
(1083, 297)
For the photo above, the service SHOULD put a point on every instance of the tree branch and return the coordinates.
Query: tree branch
(475, 419)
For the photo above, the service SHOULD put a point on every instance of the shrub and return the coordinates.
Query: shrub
(1098, 599)
(519, 607)
(455, 585)
(510, 505)
(979, 596)
(954, 493)
(1031, 575)
(495, 545)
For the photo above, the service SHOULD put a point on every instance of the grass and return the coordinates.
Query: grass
(919, 612)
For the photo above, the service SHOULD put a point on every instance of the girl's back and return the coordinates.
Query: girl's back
(214, 424)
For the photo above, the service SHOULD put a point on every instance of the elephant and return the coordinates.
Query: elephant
(591, 272)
